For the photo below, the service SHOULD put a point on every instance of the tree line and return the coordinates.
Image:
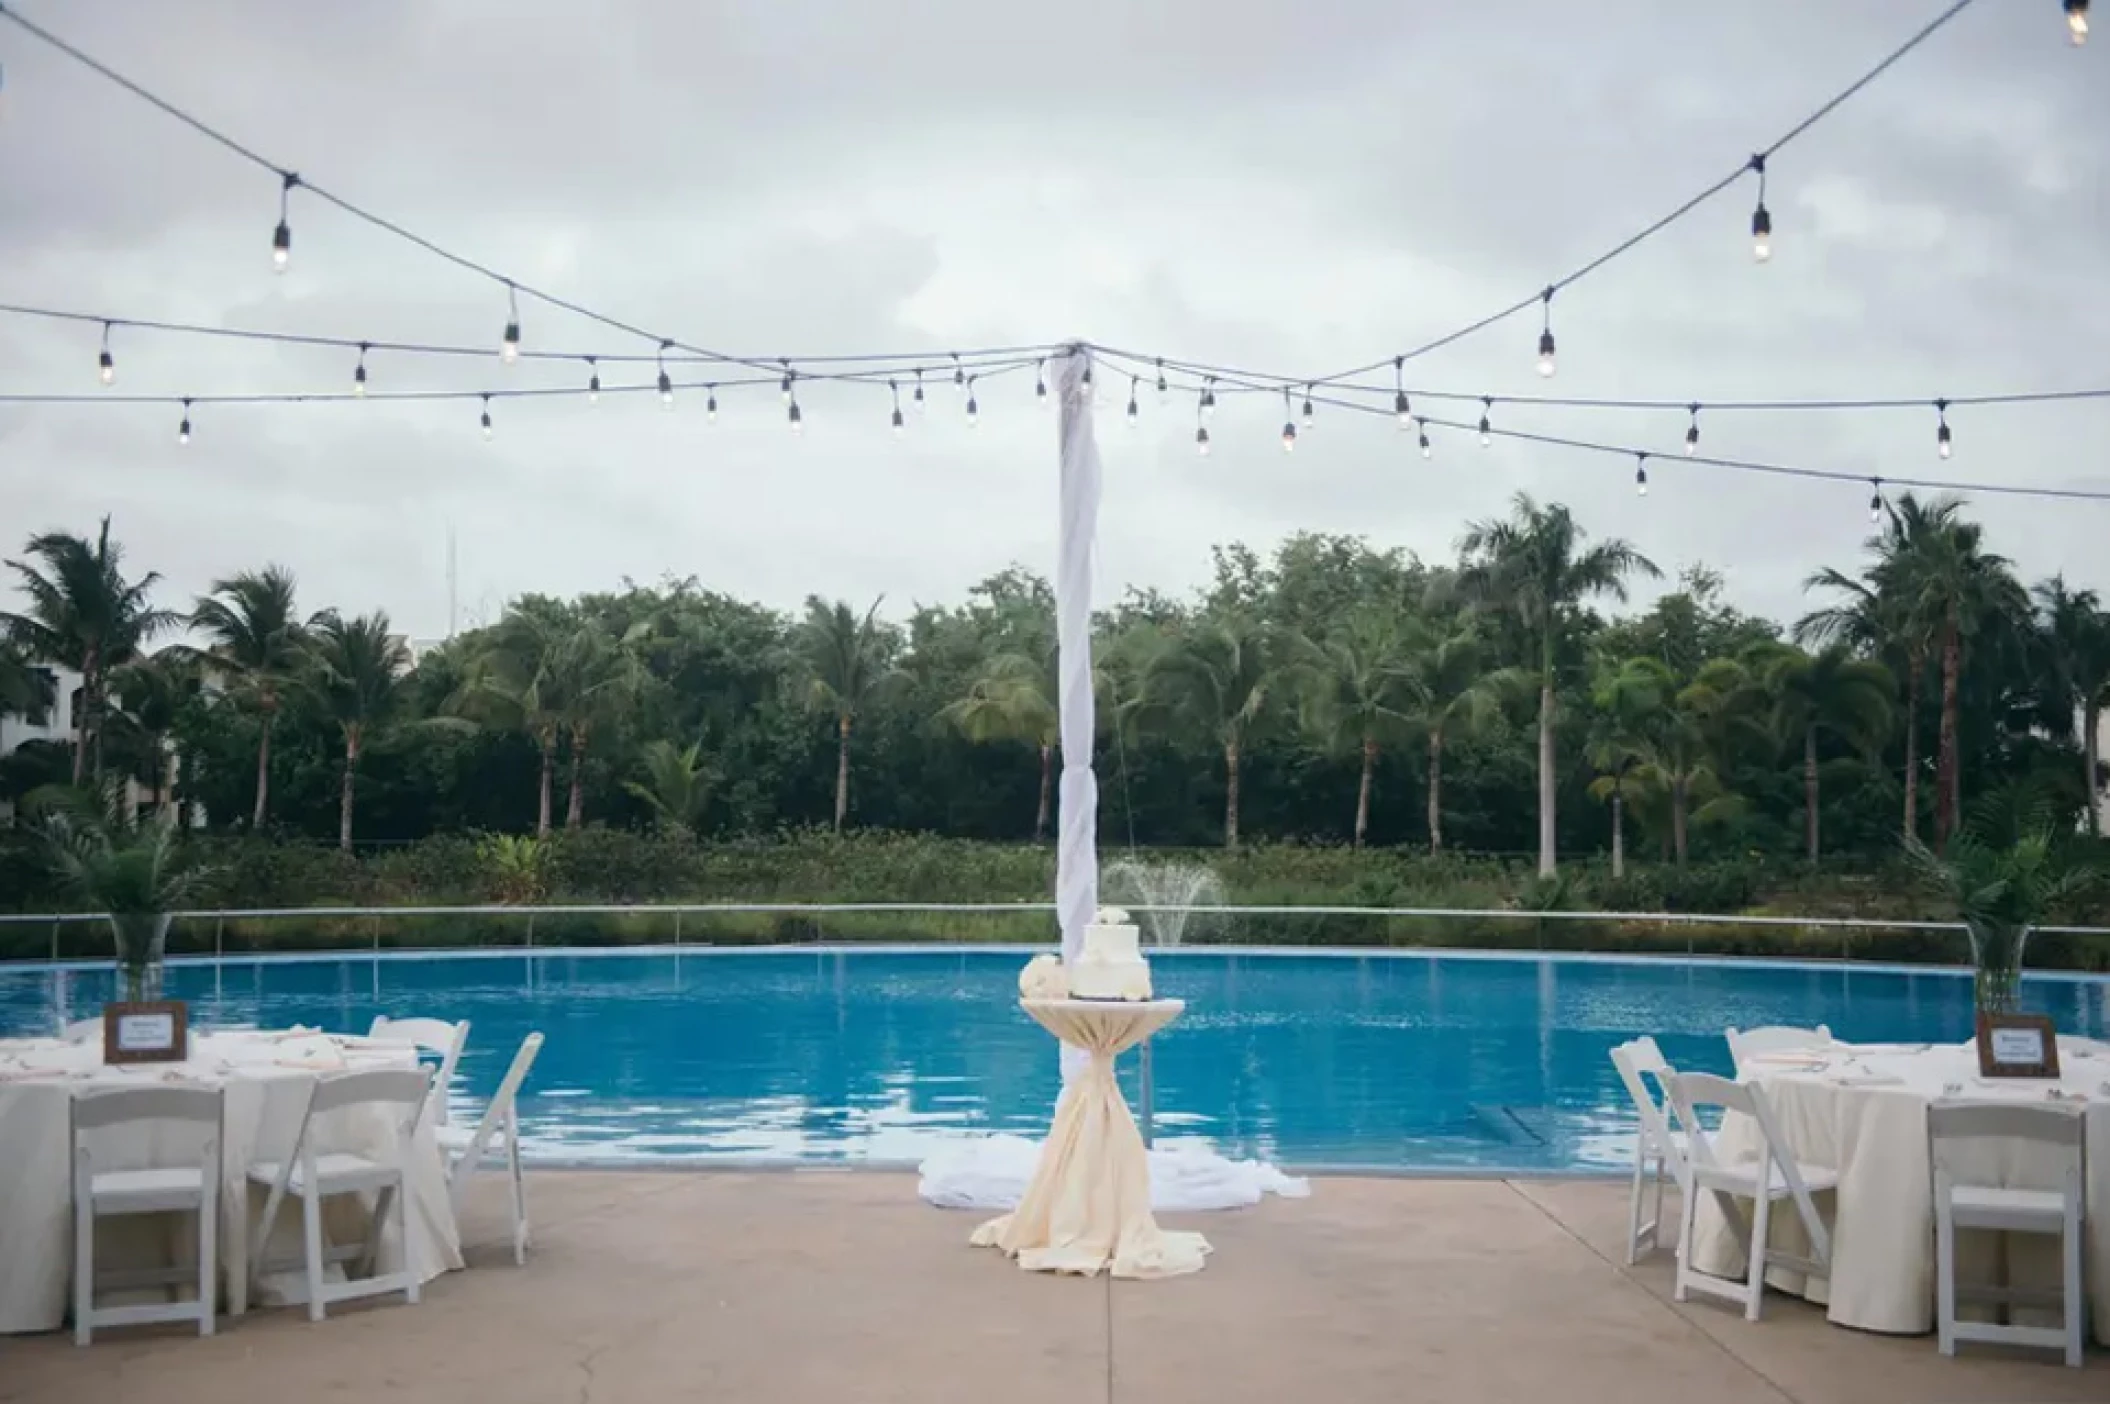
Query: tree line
(1331, 691)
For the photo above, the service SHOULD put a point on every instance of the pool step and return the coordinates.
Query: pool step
(1516, 1126)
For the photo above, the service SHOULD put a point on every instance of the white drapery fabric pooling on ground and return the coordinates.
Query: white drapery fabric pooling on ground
(991, 1172)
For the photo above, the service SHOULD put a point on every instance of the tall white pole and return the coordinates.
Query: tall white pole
(1077, 842)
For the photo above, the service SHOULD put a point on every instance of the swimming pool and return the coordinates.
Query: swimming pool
(1391, 1059)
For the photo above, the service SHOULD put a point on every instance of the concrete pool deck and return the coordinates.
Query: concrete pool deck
(789, 1288)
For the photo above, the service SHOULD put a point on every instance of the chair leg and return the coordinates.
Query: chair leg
(410, 1271)
(1687, 1212)
(208, 1257)
(1944, 1280)
(520, 1216)
(311, 1234)
(1633, 1201)
(2074, 1305)
(83, 1266)
(1661, 1175)
(1761, 1225)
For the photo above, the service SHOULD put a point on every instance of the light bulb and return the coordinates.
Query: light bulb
(1289, 436)
(919, 391)
(1040, 383)
(107, 364)
(1307, 407)
(899, 422)
(1162, 386)
(1941, 428)
(183, 429)
(974, 411)
(593, 383)
(509, 345)
(798, 420)
(666, 383)
(487, 417)
(1487, 428)
(784, 386)
(1426, 450)
(959, 374)
(1641, 478)
(1209, 398)
(1401, 408)
(359, 373)
(1201, 440)
(1133, 412)
(2077, 21)
(710, 406)
(281, 246)
(1546, 352)
(1875, 503)
(1761, 234)
(1692, 433)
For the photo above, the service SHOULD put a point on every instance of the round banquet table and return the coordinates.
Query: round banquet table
(266, 1079)
(1087, 1207)
(1862, 1110)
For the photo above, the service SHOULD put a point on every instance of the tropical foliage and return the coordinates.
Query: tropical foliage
(1328, 692)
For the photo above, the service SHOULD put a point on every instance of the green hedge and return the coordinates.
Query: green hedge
(600, 865)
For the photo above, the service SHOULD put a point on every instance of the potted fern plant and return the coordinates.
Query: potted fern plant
(134, 876)
(2002, 880)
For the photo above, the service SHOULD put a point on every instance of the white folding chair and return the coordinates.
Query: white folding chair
(189, 1187)
(81, 1030)
(1960, 1203)
(399, 1093)
(468, 1150)
(1658, 1146)
(1773, 1175)
(428, 1036)
(1773, 1038)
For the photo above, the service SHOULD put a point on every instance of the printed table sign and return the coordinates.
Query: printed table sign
(154, 1032)
(2017, 1045)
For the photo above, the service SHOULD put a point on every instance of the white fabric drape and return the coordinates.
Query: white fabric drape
(1077, 845)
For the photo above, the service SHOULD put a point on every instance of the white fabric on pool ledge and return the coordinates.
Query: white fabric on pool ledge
(991, 1173)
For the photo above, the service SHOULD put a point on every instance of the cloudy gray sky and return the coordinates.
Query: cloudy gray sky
(1295, 187)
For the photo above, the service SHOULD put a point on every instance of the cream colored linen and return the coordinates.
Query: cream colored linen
(266, 1078)
(1087, 1208)
(1863, 1112)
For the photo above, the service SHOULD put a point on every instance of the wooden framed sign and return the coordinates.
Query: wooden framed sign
(155, 1032)
(2017, 1045)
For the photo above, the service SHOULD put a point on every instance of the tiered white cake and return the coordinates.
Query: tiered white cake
(1111, 965)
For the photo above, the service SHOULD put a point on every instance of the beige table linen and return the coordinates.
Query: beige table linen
(1087, 1207)
(1862, 1110)
(266, 1079)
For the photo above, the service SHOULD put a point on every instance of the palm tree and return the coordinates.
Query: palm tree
(1533, 568)
(676, 784)
(595, 674)
(85, 616)
(2077, 637)
(1354, 687)
(1937, 565)
(1448, 690)
(846, 661)
(1013, 700)
(1879, 625)
(153, 692)
(1627, 702)
(359, 667)
(24, 691)
(1830, 692)
(512, 680)
(255, 636)
(1219, 672)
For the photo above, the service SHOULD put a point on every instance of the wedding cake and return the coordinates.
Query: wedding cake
(1111, 965)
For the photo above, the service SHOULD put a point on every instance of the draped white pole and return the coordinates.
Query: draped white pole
(1077, 843)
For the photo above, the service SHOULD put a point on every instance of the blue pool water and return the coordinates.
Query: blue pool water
(1390, 1059)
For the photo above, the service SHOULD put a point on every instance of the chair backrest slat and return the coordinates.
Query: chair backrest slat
(388, 1086)
(1638, 1061)
(93, 1111)
(429, 1036)
(1965, 1121)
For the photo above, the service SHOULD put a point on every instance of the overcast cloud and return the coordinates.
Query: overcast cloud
(1295, 187)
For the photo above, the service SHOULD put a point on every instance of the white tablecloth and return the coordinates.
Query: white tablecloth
(1862, 1110)
(266, 1079)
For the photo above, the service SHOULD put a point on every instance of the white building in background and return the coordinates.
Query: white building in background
(64, 686)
